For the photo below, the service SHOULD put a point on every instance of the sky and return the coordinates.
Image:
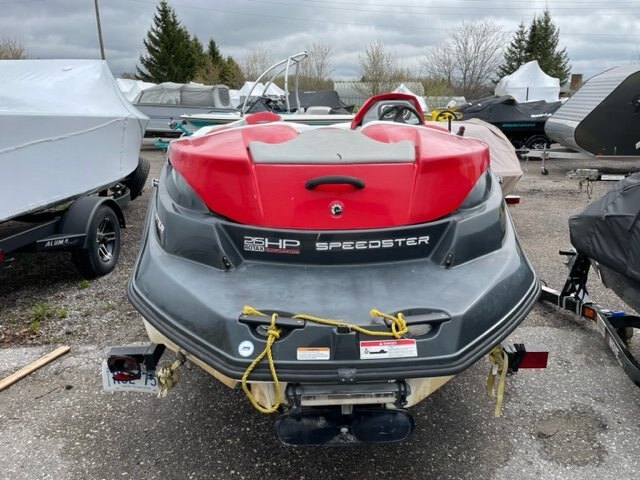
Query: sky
(597, 34)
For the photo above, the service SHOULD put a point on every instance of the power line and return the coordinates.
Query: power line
(352, 23)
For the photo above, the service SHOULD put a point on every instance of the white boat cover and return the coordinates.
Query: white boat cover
(402, 88)
(185, 94)
(504, 162)
(528, 84)
(273, 91)
(131, 88)
(67, 130)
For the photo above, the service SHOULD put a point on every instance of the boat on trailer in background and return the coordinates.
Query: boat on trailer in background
(167, 101)
(70, 160)
(288, 105)
(606, 239)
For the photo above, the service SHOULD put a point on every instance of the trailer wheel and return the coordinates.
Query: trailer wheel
(103, 244)
(537, 142)
(137, 180)
(626, 333)
(445, 115)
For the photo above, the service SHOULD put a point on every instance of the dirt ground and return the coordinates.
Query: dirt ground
(579, 418)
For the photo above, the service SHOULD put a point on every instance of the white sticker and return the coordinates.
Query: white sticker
(400, 348)
(245, 348)
(313, 353)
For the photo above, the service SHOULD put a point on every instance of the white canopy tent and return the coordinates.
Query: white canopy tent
(528, 84)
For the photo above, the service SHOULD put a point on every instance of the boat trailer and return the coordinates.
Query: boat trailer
(616, 327)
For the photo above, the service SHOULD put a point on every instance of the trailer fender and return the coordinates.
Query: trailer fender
(77, 218)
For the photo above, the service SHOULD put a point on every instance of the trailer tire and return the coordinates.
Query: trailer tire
(137, 180)
(445, 115)
(626, 333)
(537, 142)
(103, 244)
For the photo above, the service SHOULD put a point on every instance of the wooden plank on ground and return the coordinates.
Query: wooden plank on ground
(32, 367)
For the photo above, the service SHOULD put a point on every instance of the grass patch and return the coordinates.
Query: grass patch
(42, 310)
(82, 284)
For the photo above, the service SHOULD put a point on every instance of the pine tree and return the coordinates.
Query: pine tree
(516, 53)
(214, 53)
(542, 45)
(231, 74)
(197, 51)
(171, 55)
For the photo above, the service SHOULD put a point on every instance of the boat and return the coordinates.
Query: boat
(602, 117)
(607, 232)
(503, 158)
(522, 123)
(294, 106)
(70, 160)
(167, 101)
(604, 236)
(62, 119)
(339, 274)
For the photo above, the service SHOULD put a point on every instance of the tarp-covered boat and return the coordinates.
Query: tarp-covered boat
(603, 116)
(522, 123)
(167, 101)
(608, 232)
(606, 237)
(67, 131)
(504, 160)
(370, 261)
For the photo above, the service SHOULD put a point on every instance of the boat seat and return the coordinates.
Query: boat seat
(331, 145)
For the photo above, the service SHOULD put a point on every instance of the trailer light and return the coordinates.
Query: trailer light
(1, 255)
(534, 358)
(526, 356)
(588, 312)
(123, 368)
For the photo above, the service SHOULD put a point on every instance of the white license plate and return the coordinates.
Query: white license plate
(147, 383)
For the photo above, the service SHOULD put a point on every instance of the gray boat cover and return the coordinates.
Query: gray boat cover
(325, 98)
(507, 110)
(608, 229)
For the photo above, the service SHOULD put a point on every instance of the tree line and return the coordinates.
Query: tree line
(469, 62)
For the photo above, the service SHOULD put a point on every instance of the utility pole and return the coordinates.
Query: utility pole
(99, 29)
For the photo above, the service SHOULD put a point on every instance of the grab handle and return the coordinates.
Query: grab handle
(356, 182)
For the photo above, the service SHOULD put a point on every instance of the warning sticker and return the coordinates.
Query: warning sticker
(400, 348)
(313, 353)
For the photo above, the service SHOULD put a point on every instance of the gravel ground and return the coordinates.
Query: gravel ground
(576, 419)
(78, 311)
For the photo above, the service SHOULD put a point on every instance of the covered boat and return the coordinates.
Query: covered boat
(504, 160)
(309, 108)
(370, 262)
(606, 238)
(167, 101)
(68, 131)
(522, 123)
(608, 232)
(603, 117)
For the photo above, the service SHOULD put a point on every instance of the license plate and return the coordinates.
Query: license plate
(147, 383)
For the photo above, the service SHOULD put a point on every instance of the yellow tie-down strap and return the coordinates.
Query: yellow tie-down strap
(499, 361)
(398, 329)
